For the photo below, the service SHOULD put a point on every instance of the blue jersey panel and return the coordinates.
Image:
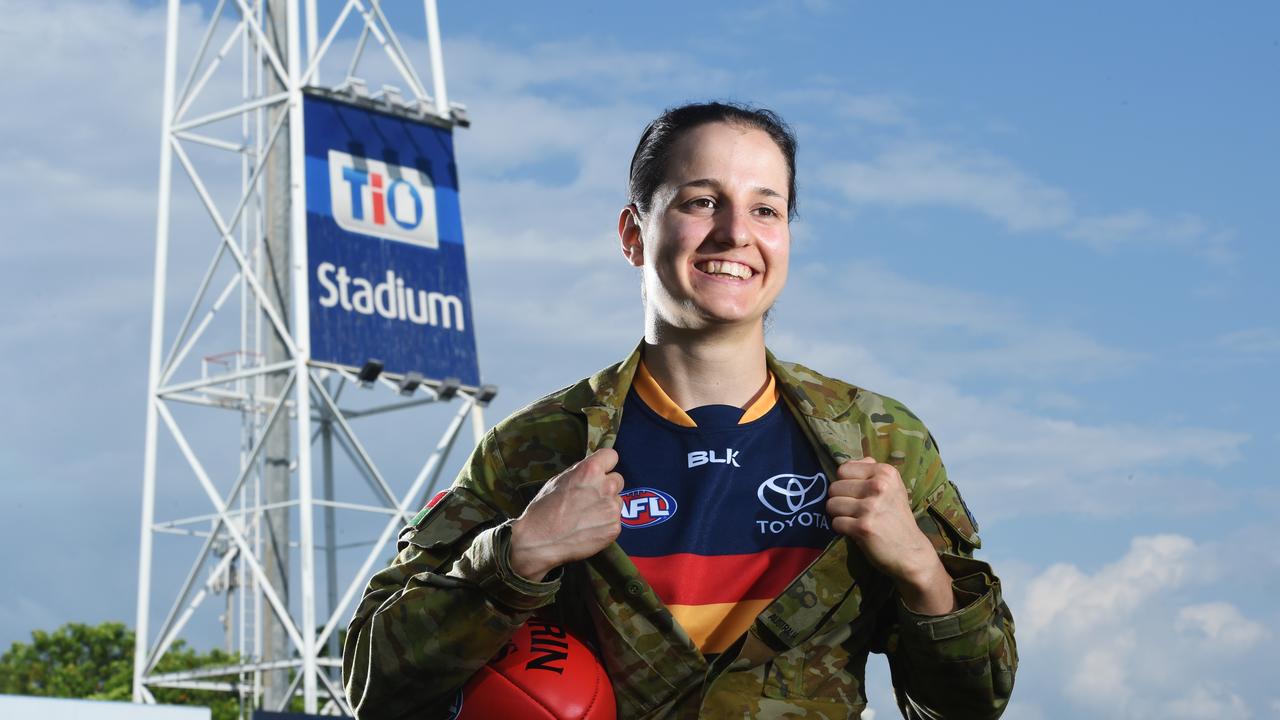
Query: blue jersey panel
(719, 488)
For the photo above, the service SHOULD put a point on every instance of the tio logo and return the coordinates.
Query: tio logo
(371, 197)
(642, 507)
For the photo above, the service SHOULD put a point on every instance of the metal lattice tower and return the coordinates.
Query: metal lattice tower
(233, 128)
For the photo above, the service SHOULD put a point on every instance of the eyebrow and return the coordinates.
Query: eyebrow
(715, 185)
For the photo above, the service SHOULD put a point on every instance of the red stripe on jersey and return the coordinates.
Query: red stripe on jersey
(688, 579)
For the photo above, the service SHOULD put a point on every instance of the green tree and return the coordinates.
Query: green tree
(96, 663)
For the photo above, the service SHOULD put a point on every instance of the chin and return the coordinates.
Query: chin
(724, 320)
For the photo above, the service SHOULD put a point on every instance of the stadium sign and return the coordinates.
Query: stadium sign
(386, 267)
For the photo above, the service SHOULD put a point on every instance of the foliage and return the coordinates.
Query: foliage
(96, 663)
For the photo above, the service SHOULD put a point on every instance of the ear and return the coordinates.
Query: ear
(631, 236)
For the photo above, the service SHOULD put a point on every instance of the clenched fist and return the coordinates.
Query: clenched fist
(869, 504)
(574, 516)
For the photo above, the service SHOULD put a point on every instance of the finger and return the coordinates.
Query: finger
(867, 488)
(592, 467)
(613, 483)
(844, 507)
(846, 526)
(602, 460)
(857, 468)
(848, 487)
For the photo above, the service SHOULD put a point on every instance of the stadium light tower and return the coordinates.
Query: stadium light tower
(336, 263)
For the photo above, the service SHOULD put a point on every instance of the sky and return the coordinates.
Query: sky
(1047, 228)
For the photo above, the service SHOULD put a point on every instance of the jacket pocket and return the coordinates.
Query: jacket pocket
(450, 524)
(948, 523)
(827, 667)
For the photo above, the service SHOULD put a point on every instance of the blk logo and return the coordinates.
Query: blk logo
(702, 457)
(642, 507)
(371, 197)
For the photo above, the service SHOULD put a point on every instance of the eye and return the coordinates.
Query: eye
(768, 211)
(701, 204)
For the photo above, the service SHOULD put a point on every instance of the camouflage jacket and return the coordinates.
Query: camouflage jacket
(450, 600)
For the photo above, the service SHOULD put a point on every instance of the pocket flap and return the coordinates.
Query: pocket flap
(457, 514)
(946, 505)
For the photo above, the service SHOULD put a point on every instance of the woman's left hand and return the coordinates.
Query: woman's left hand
(869, 504)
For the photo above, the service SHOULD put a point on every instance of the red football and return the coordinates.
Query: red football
(543, 673)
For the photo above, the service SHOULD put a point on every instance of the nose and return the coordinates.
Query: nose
(733, 227)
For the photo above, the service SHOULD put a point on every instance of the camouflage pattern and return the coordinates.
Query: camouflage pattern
(450, 600)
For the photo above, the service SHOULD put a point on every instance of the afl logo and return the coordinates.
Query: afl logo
(642, 507)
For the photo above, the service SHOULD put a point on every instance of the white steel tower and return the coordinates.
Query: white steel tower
(259, 497)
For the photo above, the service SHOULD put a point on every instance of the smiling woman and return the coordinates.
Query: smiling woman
(735, 533)
(714, 243)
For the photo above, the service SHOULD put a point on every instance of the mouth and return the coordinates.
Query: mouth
(725, 269)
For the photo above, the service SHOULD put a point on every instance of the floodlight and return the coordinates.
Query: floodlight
(357, 88)
(410, 382)
(486, 394)
(370, 372)
(458, 112)
(391, 97)
(448, 388)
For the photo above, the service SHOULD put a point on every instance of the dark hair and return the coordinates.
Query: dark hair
(649, 163)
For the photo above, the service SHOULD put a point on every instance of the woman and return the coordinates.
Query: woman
(776, 525)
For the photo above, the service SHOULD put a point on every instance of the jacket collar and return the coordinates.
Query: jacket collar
(600, 397)
(811, 393)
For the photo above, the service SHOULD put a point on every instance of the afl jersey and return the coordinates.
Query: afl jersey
(722, 508)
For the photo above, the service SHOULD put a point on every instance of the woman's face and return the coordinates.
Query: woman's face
(715, 243)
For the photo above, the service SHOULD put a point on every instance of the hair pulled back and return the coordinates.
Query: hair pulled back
(649, 163)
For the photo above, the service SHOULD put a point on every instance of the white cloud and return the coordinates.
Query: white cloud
(1101, 640)
(1183, 231)
(1207, 701)
(923, 173)
(1222, 625)
(1101, 674)
(1072, 602)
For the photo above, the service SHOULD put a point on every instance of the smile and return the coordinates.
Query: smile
(725, 268)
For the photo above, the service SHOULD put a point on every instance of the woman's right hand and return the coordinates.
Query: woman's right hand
(574, 516)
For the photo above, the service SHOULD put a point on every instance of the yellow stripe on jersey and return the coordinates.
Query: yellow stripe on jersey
(763, 402)
(713, 628)
(656, 398)
(658, 401)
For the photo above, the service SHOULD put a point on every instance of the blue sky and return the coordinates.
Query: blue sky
(1048, 229)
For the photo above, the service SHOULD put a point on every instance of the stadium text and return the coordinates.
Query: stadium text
(391, 299)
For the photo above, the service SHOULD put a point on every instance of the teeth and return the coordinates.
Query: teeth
(725, 267)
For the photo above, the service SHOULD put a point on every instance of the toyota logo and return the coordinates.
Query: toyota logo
(788, 493)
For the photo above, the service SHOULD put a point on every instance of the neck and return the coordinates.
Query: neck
(725, 366)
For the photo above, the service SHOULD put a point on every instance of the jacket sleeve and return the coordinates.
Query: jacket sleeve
(445, 605)
(961, 664)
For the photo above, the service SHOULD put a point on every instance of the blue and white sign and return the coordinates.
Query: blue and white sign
(388, 275)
